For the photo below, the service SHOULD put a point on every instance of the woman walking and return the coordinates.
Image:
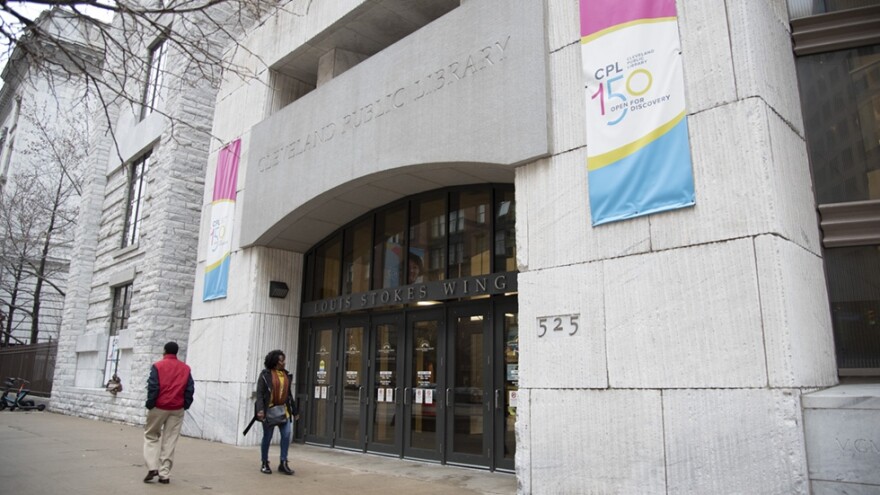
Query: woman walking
(275, 407)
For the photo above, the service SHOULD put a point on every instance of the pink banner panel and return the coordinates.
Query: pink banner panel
(227, 171)
(597, 15)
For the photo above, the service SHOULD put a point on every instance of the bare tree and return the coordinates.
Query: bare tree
(37, 217)
(112, 65)
(19, 234)
(201, 33)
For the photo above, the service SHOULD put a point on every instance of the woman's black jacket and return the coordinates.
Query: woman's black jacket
(264, 393)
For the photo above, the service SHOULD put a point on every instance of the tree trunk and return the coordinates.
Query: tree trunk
(13, 296)
(38, 289)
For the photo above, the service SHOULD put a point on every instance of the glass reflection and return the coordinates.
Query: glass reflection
(505, 232)
(328, 268)
(323, 381)
(511, 382)
(390, 231)
(853, 275)
(469, 234)
(468, 384)
(423, 421)
(840, 92)
(385, 378)
(353, 383)
(356, 257)
(427, 241)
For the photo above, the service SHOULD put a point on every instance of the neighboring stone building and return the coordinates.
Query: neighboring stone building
(44, 108)
(131, 275)
(400, 201)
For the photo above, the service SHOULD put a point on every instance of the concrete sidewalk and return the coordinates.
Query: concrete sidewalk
(47, 453)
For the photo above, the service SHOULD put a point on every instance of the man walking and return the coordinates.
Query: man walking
(169, 392)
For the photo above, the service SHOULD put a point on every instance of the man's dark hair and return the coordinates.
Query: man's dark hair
(272, 359)
(171, 348)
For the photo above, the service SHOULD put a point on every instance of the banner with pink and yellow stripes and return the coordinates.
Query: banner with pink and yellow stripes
(638, 151)
(222, 222)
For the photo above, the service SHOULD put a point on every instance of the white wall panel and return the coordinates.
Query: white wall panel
(596, 442)
(734, 441)
(560, 359)
(706, 56)
(685, 318)
(797, 322)
(763, 57)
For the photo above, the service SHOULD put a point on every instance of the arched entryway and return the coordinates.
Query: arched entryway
(409, 338)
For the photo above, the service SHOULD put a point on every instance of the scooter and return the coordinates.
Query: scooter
(18, 399)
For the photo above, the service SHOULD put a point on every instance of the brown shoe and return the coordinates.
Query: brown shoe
(150, 475)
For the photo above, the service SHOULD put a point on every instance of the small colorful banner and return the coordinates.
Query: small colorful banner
(638, 158)
(222, 220)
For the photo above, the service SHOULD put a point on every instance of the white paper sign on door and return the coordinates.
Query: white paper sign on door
(420, 396)
(380, 395)
(429, 396)
(389, 395)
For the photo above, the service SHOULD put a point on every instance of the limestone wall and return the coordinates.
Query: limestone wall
(701, 328)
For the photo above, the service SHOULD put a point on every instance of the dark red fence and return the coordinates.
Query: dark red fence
(35, 363)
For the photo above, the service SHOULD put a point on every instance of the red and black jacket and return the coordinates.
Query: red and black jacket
(170, 386)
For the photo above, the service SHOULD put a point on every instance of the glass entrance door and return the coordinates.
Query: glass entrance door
(438, 384)
(352, 384)
(469, 382)
(321, 382)
(506, 383)
(423, 407)
(385, 403)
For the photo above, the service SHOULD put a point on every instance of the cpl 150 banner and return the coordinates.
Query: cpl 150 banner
(222, 220)
(638, 158)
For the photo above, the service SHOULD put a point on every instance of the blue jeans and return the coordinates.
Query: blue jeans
(267, 439)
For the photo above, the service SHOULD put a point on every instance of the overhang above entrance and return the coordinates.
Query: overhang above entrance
(303, 228)
(366, 30)
(462, 100)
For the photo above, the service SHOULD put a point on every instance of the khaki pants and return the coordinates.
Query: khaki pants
(160, 437)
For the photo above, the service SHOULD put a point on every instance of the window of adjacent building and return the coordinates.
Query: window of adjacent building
(137, 172)
(841, 94)
(155, 75)
(438, 235)
(803, 8)
(839, 82)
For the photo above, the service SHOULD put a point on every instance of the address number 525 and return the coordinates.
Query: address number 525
(558, 324)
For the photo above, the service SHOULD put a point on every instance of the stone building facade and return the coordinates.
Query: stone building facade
(130, 285)
(690, 341)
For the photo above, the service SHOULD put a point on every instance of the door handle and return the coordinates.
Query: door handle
(406, 396)
(360, 395)
(497, 399)
(448, 401)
